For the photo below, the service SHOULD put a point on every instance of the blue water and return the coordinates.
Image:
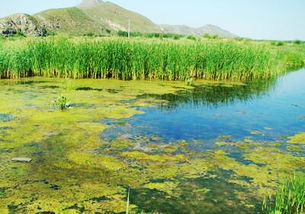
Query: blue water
(276, 109)
(5, 117)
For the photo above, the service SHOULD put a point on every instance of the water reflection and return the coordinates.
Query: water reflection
(215, 95)
(264, 110)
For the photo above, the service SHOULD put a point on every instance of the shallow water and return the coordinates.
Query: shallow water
(5, 117)
(218, 147)
(239, 111)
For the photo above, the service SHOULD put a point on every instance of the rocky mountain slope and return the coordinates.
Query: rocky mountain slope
(72, 21)
(21, 23)
(93, 16)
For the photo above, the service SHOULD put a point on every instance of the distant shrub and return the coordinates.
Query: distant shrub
(242, 39)
(177, 37)
(280, 44)
(121, 33)
(20, 34)
(154, 35)
(94, 35)
(208, 36)
(191, 37)
(277, 43)
(51, 33)
(89, 34)
(297, 42)
(136, 34)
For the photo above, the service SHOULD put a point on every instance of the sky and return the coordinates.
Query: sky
(256, 19)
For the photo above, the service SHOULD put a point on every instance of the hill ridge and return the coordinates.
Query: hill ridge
(205, 29)
(89, 3)
(97, 17)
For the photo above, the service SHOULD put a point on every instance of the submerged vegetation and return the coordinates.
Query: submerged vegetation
(145, 59)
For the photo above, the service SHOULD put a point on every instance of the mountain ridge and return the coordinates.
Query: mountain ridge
(206, 29)
(97, 17)
(90, 3)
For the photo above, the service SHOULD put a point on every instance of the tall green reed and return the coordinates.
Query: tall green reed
(289, 198)
(127, 60)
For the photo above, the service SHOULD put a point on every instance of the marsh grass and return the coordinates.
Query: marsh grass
(141, 59)
(61, 103)
(289, 198)
(128, 201)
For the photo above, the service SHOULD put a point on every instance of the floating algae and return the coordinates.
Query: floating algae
(77, 169)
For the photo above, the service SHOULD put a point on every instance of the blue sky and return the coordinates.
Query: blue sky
(258, 19)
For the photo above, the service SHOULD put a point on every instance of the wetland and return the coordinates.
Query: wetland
(213, 147)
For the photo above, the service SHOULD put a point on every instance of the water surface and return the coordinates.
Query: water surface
(263, 110)
(219, 147)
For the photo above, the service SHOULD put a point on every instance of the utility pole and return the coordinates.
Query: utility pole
(128, 28)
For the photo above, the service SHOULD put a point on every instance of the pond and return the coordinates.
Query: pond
(217, 147)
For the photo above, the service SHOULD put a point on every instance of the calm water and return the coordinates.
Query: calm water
(269, 111)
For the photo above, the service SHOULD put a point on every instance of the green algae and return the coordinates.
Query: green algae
(143, 157)
(295, 149)
(75, 171)
(167, 187)
(297, 139)
(268, 165)
(63, 144)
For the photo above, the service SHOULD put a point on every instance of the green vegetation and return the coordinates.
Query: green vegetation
(277, 43)
(208, 36)
(297, 42)
(289, 198)
(145, 59)
(61, 103)
(152, 35)
(298, 138)
(190, 37)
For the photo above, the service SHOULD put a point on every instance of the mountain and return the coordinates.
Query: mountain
(115, 18)
(207, 29)
(93, 16)
(73, 21)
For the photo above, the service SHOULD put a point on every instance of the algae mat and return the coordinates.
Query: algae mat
(75, 168)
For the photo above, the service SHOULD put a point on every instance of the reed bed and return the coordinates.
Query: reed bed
(136, 59)
(289, 198)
